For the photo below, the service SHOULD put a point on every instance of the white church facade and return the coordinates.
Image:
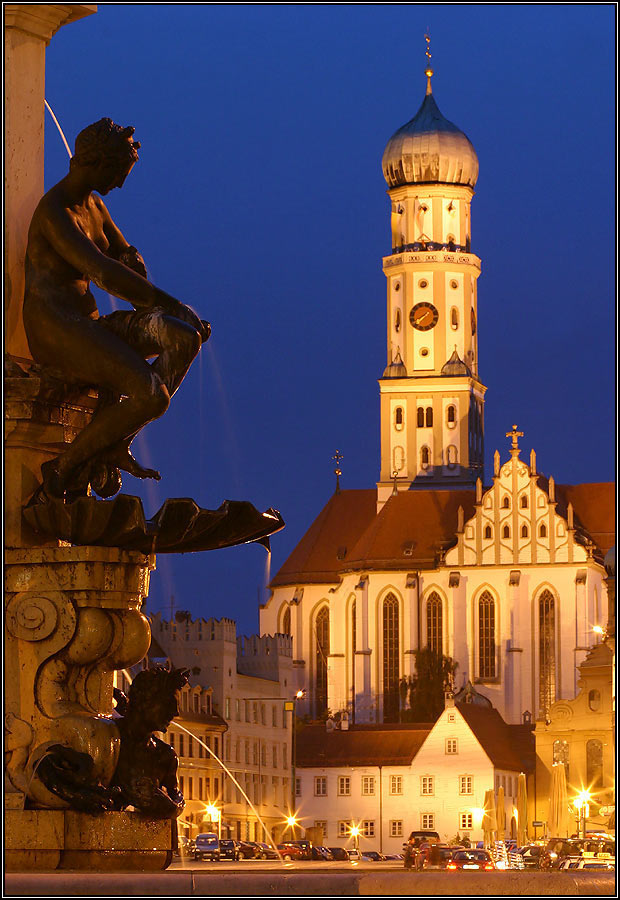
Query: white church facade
(507, 577)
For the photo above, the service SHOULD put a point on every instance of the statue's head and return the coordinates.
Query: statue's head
(109, 150)
(153, 696)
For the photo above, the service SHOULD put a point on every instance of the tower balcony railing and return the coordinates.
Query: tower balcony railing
(432, 246)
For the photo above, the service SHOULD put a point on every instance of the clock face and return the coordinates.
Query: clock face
(473, 322)
(423, 316)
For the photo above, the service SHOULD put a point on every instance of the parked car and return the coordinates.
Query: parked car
(230, 849)
(249, 849)
(339, 853)
(471, 859)
(321, 853)
(207, 846)
(372, 855)
(558, 849)
(435, 856)
(354, 855)
(267, 851)
(531, 855)
(292, 850)
(596, 861)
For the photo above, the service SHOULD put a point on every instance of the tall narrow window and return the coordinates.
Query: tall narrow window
(506, 531)
(524, 501)
(560, 754)
(321, 654)
(454, 318)
(353, 649)
(398, 418)
(546, 650)
(425, 457)
(434, 623)
(451, 415)
(286, 621)
(524, 531)
(420, 417)
(390, 659)
(486, 635)
(594, 764)
(429, 416)
(487, 531)
(542, 531)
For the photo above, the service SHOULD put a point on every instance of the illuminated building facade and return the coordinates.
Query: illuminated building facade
(504, 575)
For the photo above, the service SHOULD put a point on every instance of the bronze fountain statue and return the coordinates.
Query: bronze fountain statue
(72, 241)
(73, 610)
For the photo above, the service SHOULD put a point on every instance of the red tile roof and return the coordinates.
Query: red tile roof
(378, 745)
(509, 747)
(337, 528)
(413, 527)
(594, 506)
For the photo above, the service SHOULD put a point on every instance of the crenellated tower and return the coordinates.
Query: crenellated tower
(432, 400)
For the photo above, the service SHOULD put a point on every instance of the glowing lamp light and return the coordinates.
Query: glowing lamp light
(478, 815)
(597, 629)
(300, 694)
(213, 812)
(355, 832)
(291, 821)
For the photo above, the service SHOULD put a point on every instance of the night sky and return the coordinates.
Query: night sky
(259, 200)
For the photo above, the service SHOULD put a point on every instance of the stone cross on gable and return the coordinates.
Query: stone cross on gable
(515, 435)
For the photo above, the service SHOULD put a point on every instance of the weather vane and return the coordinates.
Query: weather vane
(515, 435)
(337, 471)
(428, 71)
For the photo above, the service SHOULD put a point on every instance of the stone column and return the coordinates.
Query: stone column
(28, 31)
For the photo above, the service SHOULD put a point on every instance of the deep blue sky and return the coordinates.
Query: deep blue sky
(259, 200)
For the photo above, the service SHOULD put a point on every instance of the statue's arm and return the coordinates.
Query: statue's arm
(119, 248)
(110, 275)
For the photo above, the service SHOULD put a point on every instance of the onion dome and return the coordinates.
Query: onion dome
(429, 150)
(396, 368)
(455, 366)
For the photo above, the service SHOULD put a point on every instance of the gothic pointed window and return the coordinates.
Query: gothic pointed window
(506, 531)
(546, 650)
(506, 503)
(420, 417)
(321, 653)
(434, 623)
(524, 501)
(286, 621)
(487, 531)
(390, 659)
(486, 636)
(524, 531)
(542, 531)
(429, 416)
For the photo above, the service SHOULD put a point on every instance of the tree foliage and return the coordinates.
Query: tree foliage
(433, 676)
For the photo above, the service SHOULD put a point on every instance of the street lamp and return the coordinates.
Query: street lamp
(290, 706)
(291, 821)
(355, 834)
(582, 805)
(214, 816)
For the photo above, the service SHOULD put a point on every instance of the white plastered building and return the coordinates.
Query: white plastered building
(505, 576)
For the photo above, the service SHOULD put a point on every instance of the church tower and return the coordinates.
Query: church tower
(432, 401)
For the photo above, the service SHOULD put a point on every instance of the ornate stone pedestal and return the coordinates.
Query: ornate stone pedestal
(72, 617)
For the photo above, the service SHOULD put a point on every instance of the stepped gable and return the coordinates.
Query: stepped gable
(411, 530)
(594, 505)
(377, 745)
(507, 746)
(318, 557)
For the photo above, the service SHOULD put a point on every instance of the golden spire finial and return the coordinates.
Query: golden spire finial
(337, 471)
(428, 70)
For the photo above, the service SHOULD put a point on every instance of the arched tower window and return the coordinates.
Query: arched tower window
(420, 417)
(546, 650)
(429, 416)
(434, 623)
(398, 418)
(286, 621)
(321, 653)
(486, 636)
(451, 415)
(594, 764)
(454, 318)
(390, 659)
(425, 457)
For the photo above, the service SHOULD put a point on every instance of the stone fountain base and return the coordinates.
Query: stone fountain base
(46, 839)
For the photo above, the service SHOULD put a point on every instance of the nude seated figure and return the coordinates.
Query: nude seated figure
(72, 242)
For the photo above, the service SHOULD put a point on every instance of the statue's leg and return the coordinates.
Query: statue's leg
(173, 343)
(102, 358)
